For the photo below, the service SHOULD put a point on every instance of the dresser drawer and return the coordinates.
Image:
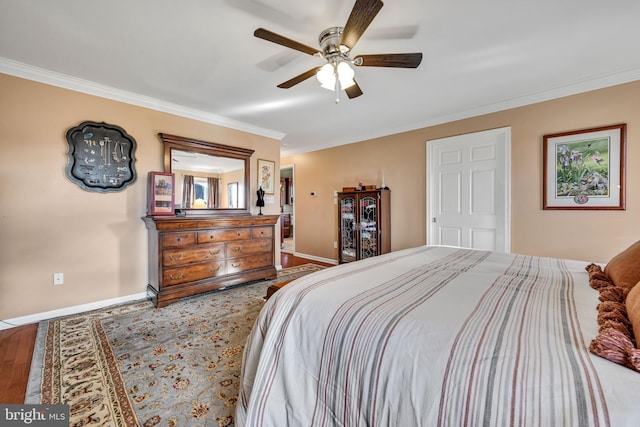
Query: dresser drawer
(236, 265)
(211, 252)
(178, 239)
(177, 275)
(174, 225)
(224, 235)
(248, 247)
(259, 232)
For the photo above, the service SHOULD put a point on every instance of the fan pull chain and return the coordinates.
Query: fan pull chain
(337, 88)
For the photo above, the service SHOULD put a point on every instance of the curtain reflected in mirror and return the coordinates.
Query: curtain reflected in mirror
(188, 191)
(214, 193)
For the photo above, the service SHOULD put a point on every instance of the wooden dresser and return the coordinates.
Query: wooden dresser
(191, 255)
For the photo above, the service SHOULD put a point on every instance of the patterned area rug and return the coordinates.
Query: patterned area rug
(133, 364)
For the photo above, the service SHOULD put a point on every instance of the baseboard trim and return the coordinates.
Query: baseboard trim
(38, 317)
(34, 318)
(316, 258)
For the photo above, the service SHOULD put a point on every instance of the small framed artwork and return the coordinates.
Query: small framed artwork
(161, 194)
(585, 169)
(266, 175)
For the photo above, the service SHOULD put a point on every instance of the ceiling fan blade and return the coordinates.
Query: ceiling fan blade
(399, 60)
(399, 32)
(261, 33)
(361, 16)
(299, 78)
(353, 91)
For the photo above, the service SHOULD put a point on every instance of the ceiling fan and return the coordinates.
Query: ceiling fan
(336, 44)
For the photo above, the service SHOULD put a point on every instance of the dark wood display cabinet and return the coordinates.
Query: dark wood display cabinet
(192, 255)
(285, 226)
(364, 224)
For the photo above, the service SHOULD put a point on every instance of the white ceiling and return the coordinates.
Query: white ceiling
(198, 58)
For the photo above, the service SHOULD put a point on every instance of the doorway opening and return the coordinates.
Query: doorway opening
(287, 209)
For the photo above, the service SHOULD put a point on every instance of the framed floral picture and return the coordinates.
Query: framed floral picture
(266, 175)
(585, 169)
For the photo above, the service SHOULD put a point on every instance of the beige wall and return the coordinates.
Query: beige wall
(586, 235)
(49, 224)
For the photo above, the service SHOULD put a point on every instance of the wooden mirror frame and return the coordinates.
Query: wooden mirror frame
(189, 144)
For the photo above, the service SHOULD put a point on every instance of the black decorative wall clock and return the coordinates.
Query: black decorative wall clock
(101, 157)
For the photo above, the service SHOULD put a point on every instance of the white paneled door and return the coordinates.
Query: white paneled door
(468, 190)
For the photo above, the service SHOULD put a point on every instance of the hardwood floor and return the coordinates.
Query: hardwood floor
(16, 349)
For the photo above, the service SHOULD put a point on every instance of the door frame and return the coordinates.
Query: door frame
(293, 205)
(432, 191)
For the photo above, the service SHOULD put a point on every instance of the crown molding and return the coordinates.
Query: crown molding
(41, 75)
(567, 89)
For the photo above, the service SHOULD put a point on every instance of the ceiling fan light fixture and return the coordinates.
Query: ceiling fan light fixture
(326, 76)
(345, 75)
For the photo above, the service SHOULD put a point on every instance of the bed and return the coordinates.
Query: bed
(436, 336)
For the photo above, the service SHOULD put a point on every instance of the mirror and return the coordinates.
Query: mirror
(210, 178)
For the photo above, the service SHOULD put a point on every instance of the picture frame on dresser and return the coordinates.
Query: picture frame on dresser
(161, 194)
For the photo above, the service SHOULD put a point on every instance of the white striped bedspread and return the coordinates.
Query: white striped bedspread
(435, 336)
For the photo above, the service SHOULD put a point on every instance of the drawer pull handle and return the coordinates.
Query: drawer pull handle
(265, 259)
(264, 246)
(236, 249)
(178, 239)
(238, 234)
(177, 276)
(236, 265)
(180, 225)
(214, 252)
(176, 258)
(213, 270)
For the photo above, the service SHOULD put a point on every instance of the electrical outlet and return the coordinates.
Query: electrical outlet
(58, 279)
(335, 245)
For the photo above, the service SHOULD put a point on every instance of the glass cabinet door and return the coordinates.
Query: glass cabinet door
(368, 227)
(348, 227)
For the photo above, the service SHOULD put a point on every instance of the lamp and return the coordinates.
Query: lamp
(329, 71)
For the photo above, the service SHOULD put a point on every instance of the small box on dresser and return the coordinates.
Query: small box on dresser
(192, 255)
